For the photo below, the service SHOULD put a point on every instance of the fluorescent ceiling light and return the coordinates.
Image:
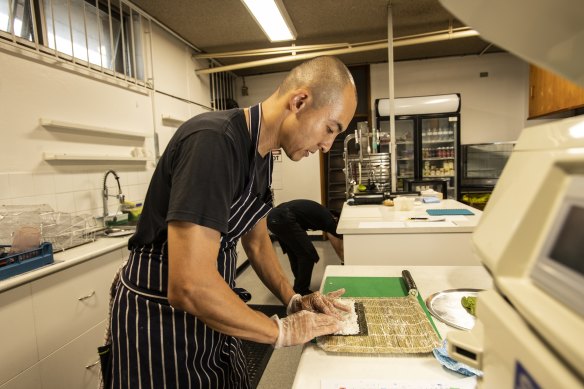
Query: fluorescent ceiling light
(272, 18)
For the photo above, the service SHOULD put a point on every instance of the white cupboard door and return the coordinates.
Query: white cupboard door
(68, 303)
(76, 364)
(18, 348)
(28, 379)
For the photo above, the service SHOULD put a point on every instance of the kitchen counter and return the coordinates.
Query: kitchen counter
(66, 259)
(380, 235)
(56, 316)
(317, 366)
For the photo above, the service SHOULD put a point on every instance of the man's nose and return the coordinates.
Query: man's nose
(326, 145)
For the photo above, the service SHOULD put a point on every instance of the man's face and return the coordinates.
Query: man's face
(309, 130)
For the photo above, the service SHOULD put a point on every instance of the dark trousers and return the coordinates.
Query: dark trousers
(296, 243)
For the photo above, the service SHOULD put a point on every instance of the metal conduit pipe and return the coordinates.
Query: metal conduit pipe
(270, 51)
(391, 89)
(349, 50)
(293, 49)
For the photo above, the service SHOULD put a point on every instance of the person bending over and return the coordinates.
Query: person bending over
(289, 222)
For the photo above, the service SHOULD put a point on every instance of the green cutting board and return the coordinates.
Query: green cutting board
(374, 287)
(367, 286)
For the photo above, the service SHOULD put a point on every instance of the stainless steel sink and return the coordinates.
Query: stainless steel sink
(119, 230)
(115, 232)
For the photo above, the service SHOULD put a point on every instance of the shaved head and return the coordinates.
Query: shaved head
(326, 77)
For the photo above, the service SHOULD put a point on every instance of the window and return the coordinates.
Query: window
(105, 35)
(15, 18)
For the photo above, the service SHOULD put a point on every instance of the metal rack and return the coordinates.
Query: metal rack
(372, 169)
(63, 230)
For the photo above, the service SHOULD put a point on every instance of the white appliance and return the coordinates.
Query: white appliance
(530, 328)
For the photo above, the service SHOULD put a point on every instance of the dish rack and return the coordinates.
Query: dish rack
(63, 230)
(14, 264)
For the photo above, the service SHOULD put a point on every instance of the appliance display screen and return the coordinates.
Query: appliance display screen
(568, 249)
(559, 268)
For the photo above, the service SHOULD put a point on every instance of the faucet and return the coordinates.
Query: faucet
(106, 194)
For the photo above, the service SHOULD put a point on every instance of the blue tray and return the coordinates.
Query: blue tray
(19, 263)
(448, 212)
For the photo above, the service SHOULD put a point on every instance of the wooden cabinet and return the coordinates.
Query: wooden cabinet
(52, 326)
(549, 93)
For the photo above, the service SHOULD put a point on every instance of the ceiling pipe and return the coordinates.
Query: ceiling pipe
(485, 49)
(325, 46)
(270, 51)
(349, 50)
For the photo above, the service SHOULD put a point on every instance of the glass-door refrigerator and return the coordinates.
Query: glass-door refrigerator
(438, 150)
(405, 142)
(427, 148)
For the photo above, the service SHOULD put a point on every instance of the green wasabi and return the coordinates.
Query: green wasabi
(469, 303)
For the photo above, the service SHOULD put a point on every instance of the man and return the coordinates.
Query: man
(175, 319)
(289, 222)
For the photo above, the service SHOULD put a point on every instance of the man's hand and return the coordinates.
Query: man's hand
(303, 326)
(317, 302)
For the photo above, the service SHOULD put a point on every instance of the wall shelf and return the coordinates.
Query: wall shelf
(93, 158)
(92, 130)
(171, 121)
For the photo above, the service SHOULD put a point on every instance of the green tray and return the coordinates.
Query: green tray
(374, 287)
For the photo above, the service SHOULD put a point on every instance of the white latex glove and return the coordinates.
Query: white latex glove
(303, 326)
(317, 302)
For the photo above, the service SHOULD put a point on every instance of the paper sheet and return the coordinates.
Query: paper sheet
(420, 224)
(464, 383)
(361, 211)
(382, 225)
(456, 218)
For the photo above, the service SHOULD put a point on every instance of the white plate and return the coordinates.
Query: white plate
(446, 307)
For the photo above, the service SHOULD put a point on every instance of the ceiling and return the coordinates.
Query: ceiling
(217, 26)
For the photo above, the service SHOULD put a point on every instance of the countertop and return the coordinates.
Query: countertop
(66, 259)
(317, 366)
(380, 219)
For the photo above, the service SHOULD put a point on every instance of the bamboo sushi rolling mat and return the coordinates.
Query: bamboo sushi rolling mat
(396, 322)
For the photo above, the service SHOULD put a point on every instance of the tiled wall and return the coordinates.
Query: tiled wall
(79, 193)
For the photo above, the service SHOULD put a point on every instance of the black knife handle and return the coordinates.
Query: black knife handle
(410, 284)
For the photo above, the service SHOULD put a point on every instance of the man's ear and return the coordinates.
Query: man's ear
(300, 100)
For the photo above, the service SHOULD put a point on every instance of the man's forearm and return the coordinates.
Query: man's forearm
(265, 263)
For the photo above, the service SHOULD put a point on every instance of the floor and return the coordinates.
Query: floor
(282, 367)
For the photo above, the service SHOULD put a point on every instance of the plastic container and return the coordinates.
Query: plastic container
(404, 203)
(15, 264)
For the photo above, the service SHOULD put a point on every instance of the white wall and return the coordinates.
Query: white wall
(493, 108)
(174, 75)
(31, 89)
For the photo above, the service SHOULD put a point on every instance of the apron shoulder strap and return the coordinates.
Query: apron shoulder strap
(255, 116)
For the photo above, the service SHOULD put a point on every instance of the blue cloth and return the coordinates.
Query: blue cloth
(430, 200)
(442, 356)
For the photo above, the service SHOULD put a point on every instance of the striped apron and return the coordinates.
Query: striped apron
(156, 346)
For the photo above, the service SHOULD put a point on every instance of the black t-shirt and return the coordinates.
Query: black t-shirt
(203, 170)
(311, 215)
